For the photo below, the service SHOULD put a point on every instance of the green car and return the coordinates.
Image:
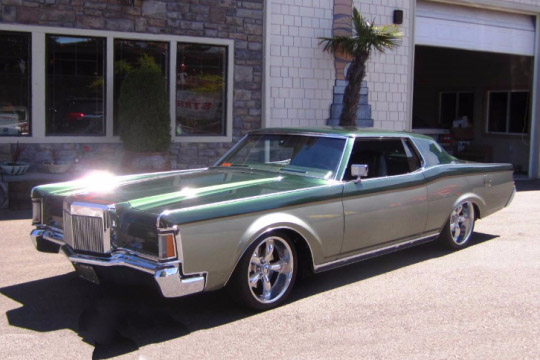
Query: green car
(279, 203)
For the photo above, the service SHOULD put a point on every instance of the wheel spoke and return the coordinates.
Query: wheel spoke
(269, 251)
(253, 280)
(267, 286)
(280, 266)
(255, 259)
(459, 209)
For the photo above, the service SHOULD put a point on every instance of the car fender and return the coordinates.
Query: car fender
(280, 221)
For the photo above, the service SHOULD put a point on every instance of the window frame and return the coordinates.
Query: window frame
(508, 110)
(407, 144)
(20, 137)
(38, 68)
(457, 95)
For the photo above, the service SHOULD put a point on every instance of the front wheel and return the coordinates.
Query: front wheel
(266, 273)
(458, 230)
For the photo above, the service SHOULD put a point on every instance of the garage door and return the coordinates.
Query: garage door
(470, 28)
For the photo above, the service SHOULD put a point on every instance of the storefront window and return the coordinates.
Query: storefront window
(15, 83)
(200, 90)
(75, 94)
(127, 54)
(508, 112)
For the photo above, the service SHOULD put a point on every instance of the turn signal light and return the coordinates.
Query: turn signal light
(167, 246)
(36, 212)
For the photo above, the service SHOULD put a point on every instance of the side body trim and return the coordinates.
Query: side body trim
(370, 254)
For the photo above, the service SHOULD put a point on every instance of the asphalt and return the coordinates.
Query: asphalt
(482, 302)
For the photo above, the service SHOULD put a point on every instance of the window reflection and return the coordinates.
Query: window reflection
(126, 56)
(15, 83)
(200, 89)
(75, 85)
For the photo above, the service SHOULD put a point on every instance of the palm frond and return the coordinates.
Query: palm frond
(366, 37)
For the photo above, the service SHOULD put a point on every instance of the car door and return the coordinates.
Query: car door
(389, 205)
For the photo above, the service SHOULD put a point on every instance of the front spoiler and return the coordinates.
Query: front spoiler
(168, 276)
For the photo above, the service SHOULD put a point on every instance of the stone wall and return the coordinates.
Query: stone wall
(228, 19)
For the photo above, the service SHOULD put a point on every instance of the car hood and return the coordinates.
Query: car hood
(155, 193)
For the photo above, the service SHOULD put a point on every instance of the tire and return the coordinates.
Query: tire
(266, 273)
(457, 232)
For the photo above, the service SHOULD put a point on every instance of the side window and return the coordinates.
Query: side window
(384, 157)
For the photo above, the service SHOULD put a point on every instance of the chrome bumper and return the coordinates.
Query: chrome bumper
(168, 276)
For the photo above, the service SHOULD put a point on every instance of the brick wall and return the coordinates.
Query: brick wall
(301, 75)
(230, 19)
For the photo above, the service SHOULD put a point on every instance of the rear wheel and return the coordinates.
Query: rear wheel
(266, 273)
(458, 230)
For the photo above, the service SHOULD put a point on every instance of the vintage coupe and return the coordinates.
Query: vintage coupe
(280, 202)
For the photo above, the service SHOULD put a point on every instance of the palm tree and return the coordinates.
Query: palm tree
(366, 37)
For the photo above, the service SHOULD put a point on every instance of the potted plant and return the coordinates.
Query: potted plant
(145, 127)
(15, 167)
(55, 165)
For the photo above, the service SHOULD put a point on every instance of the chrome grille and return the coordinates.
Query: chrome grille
(87, 227)
(87, 233)
(68, 232)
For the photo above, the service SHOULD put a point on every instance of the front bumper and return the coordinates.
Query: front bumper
(168, 275)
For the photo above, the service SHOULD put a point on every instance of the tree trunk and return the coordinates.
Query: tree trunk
(355, 75)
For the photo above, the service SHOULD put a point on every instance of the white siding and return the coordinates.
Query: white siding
(388, 75)
(300, 75)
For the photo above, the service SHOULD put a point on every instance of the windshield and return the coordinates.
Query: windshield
(294, 154)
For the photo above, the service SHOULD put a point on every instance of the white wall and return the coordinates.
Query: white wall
(300, 76)
(389, 75)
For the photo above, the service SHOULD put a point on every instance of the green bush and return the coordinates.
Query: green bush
(144, 109)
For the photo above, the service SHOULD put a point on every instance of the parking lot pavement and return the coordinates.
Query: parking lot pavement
(422, 303)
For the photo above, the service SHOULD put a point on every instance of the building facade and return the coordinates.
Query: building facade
(466, 72)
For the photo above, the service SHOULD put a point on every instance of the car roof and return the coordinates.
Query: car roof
(341, 131)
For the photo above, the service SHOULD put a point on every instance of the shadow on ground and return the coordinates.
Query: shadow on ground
(528, 185)
(9, 214)
(119, 319)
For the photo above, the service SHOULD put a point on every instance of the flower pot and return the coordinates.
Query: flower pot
(57, 167)
(18, 168)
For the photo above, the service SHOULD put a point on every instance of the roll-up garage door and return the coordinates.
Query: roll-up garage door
(475, 29)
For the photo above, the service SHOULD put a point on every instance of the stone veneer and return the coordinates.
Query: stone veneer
(228, 19)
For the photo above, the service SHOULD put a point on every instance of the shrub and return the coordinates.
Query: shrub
(144, 109)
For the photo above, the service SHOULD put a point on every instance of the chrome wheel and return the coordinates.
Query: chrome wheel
(462, 223)
(270, 269)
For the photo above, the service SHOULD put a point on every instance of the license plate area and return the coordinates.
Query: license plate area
(86, 272)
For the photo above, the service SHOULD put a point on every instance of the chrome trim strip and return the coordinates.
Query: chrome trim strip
(369, 254)
(124, 258)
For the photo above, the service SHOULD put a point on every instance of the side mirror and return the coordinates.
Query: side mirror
(359, 171)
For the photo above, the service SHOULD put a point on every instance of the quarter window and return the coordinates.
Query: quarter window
(75, 85)
(15, 83)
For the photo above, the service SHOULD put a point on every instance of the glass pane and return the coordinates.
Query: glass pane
(498, 103)
(466, 106)
(126, 56)
(15, 83)
(448, 109)
(200, 89)
(300, 155)
(519, 112)
(75, 85)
